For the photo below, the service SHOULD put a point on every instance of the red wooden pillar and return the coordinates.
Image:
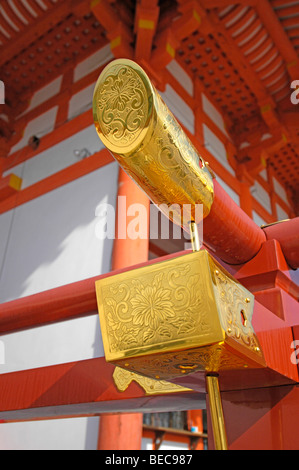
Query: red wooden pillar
(124, 431)
(195, 423)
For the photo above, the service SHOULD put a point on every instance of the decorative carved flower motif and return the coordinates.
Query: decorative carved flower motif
(151, 305)
(122, 106)
(164, 307)
(121, 92)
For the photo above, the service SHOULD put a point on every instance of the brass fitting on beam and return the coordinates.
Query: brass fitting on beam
(137, 127)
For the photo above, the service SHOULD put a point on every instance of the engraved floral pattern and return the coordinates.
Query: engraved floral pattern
(122, 105)
(121, 93)
(151, 305)
(166, 306)
(168, 366)
(233, 299)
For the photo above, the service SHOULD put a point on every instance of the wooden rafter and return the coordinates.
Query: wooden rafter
(119, 32)
(37, 28)
(279, 36)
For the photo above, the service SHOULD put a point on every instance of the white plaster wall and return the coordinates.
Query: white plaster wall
(5, 224)
(181, 76)
(81, 101)
(93, 62)
(263, 174)
(261, 195)
(235, 197)
(280, 191)
(63, 434)
(57, 158)
(52, 242)
(258, 219)
(59, 343)
(179, 108)
(216, 147)
(45, 93)
(213, 113)
(281, 214)
(40, 126)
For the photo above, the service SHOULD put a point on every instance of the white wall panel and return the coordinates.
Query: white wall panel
(53, 240)
(261, 195)
(216, 147)
(213, 113)
(264, 174)
(93, 62)
(258, 219)
(280, 191)
(281, 214)
(81, 102)
(59, 343)
(56, 158)
(181, 76)
(235, 197)
(45, 93)
(52, 243)
(5, 224)
(63, 434)
(40, 126)
(179, 108)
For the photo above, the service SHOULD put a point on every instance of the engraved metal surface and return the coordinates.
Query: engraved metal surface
(144, 137)
(176, 317)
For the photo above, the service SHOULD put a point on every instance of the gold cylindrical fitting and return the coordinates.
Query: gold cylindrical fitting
(217, 418)
(144, 137)
(195, 242)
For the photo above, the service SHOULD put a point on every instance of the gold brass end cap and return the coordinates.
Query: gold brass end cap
(123, 106)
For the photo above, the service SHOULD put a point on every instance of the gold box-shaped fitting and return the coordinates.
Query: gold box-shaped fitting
(176, 317)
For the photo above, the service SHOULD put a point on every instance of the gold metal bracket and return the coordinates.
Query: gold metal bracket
(122, 379)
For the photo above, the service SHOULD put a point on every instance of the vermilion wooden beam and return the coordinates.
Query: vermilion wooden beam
(168, 40)
(118, 31)
(79, 389)
(287, 234)
(59, 304)
(260, 152)
(146, 21)
(232, 51)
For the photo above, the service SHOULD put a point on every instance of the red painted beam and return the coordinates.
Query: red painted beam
(287, 234)
(59, 304)
(84, 388)
(229, 232)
